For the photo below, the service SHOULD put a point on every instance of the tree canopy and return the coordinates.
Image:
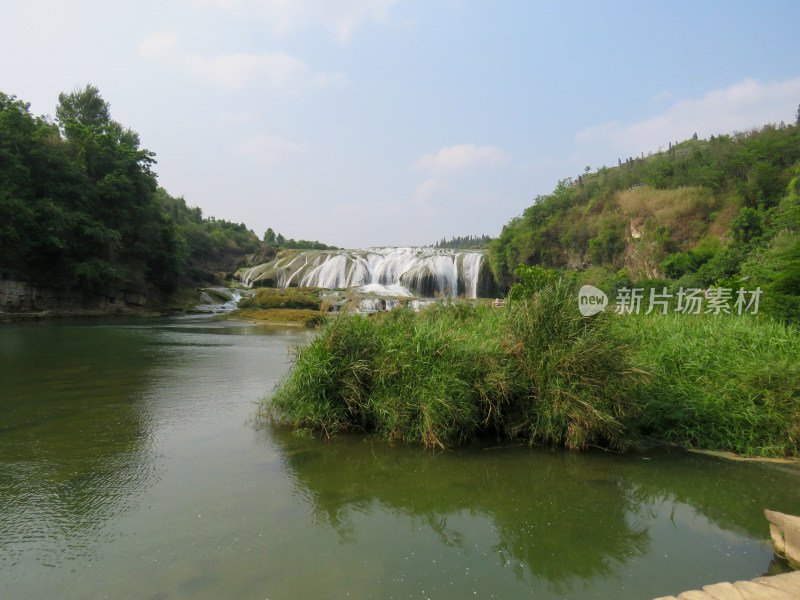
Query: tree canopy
(77, 200)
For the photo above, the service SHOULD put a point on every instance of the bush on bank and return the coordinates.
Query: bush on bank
(536, 371)
(539, 372)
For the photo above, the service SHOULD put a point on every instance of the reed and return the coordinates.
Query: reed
(536, 371)
(720, 382)
(539, 372)
(577, 384)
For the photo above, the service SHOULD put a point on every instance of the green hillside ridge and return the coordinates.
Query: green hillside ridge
(700, 213)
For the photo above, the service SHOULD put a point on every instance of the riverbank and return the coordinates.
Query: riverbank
(538, 372)
(20, 301)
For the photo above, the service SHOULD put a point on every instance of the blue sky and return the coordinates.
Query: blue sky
(399, 122)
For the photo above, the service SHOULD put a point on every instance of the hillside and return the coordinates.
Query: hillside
(697, 214)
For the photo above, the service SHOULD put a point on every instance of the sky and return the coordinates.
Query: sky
(401, 122)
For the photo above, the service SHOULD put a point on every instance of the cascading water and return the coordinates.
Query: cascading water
(211, 305)
(430, 272)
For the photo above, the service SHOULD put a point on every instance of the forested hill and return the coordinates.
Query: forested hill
(80, 207)
(698, 213)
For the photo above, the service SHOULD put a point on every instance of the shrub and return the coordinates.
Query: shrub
(577, 382)
(538, 372)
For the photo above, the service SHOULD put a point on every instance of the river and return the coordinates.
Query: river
(130, 467)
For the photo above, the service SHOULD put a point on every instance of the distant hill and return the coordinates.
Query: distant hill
(699, 213)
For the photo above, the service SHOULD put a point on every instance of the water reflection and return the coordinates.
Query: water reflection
(554, 519)
(564, 518)
(73, 444)
(126, 462)
(732, 495)
(101, 422)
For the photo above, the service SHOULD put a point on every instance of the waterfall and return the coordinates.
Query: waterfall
(429, 272)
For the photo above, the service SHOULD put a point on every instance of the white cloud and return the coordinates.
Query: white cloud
(278, 71)
(464, 156)
(739, 107)
(268, 149)
(341, 17)
(158, 44)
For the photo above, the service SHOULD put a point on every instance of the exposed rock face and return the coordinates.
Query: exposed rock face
(19, 298)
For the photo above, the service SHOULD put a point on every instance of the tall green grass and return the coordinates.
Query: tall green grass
(576, 381)
(536, 371)
(719, 382)
(414, 377)
(539, 372)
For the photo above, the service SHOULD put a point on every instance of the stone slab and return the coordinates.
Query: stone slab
(785, 532)
(694, 595)
(757, 591)
(788, 582)
(775, 587)
(723, 591)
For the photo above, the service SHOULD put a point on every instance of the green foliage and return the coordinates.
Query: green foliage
(83, 107)
(725, 382)
(297, 298)
(77, 205)
(532, 280)
(80, 208)
(783, 294)
(748, 226)
(679, 264)
(609, 243)
(304, 245)
(207, 245)
(578, 382)
(537, 371)
(278, 241)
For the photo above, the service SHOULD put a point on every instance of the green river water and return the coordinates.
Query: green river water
(130, 468)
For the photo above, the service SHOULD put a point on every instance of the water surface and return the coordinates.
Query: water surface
(130, 468)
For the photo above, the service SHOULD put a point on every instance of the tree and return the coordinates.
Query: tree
(269, 237)
(747, 226)
(85, 107)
